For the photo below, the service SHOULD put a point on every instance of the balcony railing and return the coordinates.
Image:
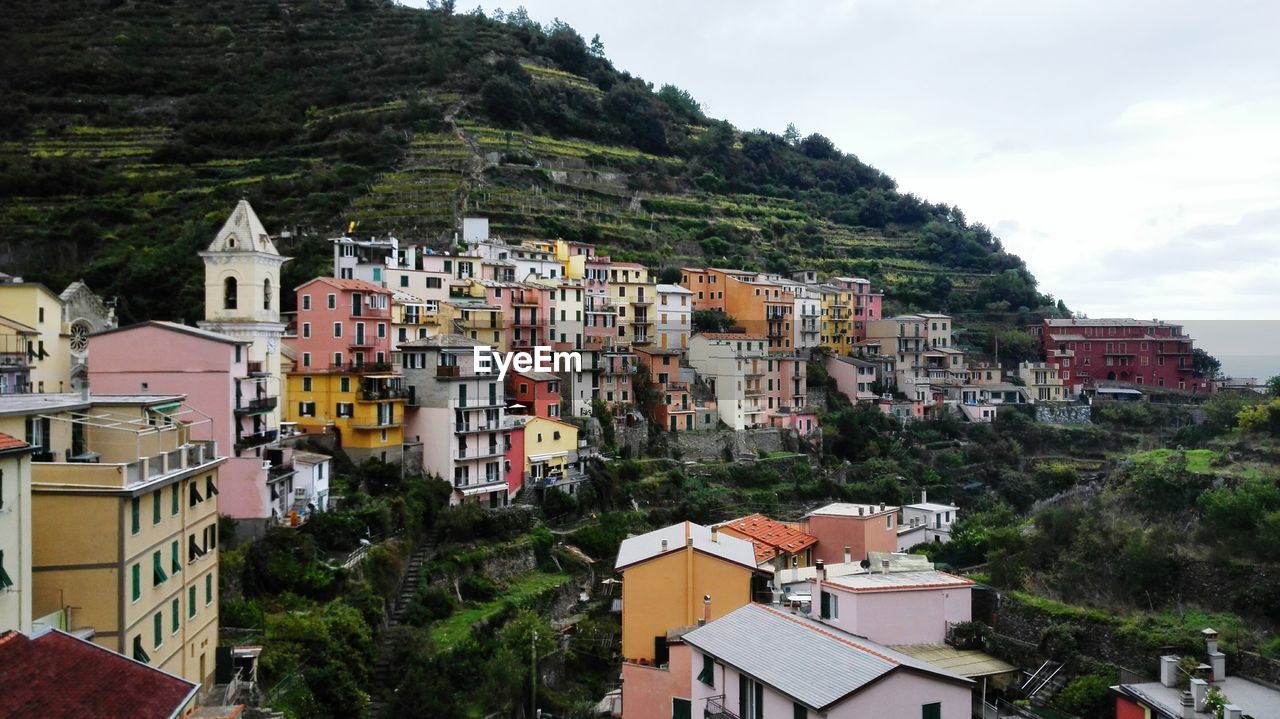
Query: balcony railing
(717, 710)
(86, 464)
(279, 471)
(257, 369)
(492, 450)
(257, 439)
(256, 405)
(464, 427)
(382, 394)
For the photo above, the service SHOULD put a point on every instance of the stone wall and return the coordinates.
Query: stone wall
(714, 445)
(1054, 413)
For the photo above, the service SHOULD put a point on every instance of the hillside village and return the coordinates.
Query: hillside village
(172, 438)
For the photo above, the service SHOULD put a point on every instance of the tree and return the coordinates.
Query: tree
(711, 321)
(791, 134)
(1273, 386)
(1205, 364)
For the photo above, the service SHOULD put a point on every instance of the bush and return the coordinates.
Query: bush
(430, 605)
(1088, 695)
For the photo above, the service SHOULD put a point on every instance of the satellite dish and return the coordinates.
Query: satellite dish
(865, 564)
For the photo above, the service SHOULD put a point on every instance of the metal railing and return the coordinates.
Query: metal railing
(717, 710)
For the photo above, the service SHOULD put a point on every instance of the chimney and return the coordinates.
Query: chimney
(859, 511)
(924, 497)
(706, 610)
(820, 570)
(664, 545)
(1231, 711)
(715, 534)
(1188, 706)
(848, 555)
(1199, 691)
(1210, 639)
(884, 566)
(1169, 670)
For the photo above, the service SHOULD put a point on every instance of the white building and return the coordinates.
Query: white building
(312, 473)
(926, 523)
(733, 366)
(675, 316)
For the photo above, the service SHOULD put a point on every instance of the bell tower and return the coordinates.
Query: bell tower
(242, 293)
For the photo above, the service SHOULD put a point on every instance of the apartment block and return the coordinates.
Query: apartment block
(675, 316)
(1124, 351)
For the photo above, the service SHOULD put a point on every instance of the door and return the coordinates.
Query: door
(750, 699)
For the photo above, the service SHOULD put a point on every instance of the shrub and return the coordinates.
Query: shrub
(1088, 695)
(430, 605)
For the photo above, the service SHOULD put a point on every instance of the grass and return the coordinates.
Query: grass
(448, 633)
(1199, 461)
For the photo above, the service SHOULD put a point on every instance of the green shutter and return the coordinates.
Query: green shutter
(155, 507)
(140, 654)
(173, 500)
(135, 512)
(707, 675)
(210, 489)
(5, 580)
(158, 576)
(157, 625)
(195, 494)
(681, 709)
(176, 611)
(931, 711)
(137, 582)
(191, 602)
(825, 612)
(799, 711)
(176, 564)
(208, 588)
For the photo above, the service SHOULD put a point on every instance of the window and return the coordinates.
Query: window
(5, 580)
(174, 565)
(306, 384)
(158, 576)
(333, 302)
(306, 409)
(337, 329)
(195, 497)
(681, 709)
(194, 550)
(306, 302)
(830, 607)
(191, 602)
(306, 359)
(157, 627)
(135, 574)
(173, 500)
(799, 711)
(344, 384)
(210, 489)
(750, 698)
(708, 674)
(931, 711)
(306, 329)
(135, 515)
(139, 654)
(345, 409)
(155, 507)
(266, 294)
(208, 589)
(229, 294)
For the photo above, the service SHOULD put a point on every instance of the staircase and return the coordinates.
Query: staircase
(1040, 686)
(384, 675)
(527, 497)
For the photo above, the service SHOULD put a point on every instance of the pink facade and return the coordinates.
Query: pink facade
(341, 324)
(802, 422)
(539, 392)
(854, 377)
(867, 305)
(876, 531)
(903, 615)
(212, 371)
(649, 691)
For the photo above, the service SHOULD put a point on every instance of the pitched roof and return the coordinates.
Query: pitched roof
(242, 232)
(175, 327)
(648, 546)
(12, 444)
(814, 663)
(344, 284)
(770, 537)
(729, 336)
(57, 675)
(18, 327)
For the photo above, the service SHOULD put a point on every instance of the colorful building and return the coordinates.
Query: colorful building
(675, 316)
(124, 524)
(343, 381)
(539, 392)
(635, 294)
(1125, 351)
(16, 340)
(58, 350)
(850, 532)
(1042, 381)
(553, 457)
(777, 546)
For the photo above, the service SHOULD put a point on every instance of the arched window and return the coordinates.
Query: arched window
(266, 294)
(229, 295)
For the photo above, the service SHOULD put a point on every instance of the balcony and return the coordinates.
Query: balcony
(483, 452)
(256, 439)
(481, 402)
(362, 343)
(278, 472)
(257, 369)
(382, 394)
(257, 405)
(376, 424)
(87, 468)
(480, 485)
(469, 427)
(717, 710)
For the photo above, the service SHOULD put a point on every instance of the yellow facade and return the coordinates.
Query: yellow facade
(472, 318)
(128, 545)
(550, 446)
(837, 320)
(369, 419)
(635, 294)
(666, 593)
(40, 308)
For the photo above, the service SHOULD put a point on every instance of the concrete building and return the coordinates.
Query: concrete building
(1043, 381)
(1120, 350)
(635, 293)
(124, 523)
(15, 535)
(675, 316)
(926, 522)
(460, 415)
(15, 362)
(735, 368)
(778, 546)
(553, 457)
(855, 378)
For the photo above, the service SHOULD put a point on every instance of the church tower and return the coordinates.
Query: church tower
(242, 295)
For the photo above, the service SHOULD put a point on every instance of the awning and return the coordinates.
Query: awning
(167, 407)
(548, 456)
(968, 663)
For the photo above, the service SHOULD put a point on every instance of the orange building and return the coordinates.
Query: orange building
(777, 545)
(849, 532)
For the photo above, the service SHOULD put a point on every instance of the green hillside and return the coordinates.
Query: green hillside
(127, 130)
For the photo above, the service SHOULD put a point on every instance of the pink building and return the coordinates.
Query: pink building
(759, 661)
(213, 372)
(539, 392)
(849, 532)
(894, 607)
(342, 324)
(867, 305)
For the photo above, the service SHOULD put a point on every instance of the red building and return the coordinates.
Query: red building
(513, 457)
(539, 392)
(1127, 351)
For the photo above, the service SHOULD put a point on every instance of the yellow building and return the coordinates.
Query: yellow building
(634, 292)
(837, 319)
(474, 318)
(125, 529)
(551, 455)
(40, 309)
(364, 407)
(668, 573)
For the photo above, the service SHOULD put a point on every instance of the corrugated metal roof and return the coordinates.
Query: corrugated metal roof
(811, 662)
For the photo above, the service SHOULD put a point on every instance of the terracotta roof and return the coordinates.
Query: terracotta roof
(636, 265)
(770, 537)
(344, 284)
(10, 444)
(58, 675)
(729, 336)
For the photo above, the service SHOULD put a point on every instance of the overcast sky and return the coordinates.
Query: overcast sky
(1129, 152)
